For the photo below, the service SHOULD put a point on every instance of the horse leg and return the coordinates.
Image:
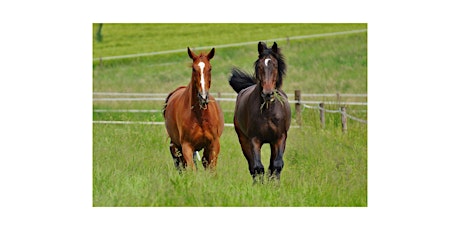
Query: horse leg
(276, 157)
(196, 156)
(187, 154)
(176, 155)
(259, 170)
(210, 154)
(247, 151)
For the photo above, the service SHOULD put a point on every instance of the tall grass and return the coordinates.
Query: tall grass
(132, 165)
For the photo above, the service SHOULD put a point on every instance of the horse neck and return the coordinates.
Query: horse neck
(257, 92)
(192, 94)
(255, 95)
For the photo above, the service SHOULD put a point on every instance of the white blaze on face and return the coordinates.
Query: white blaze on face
(202, 65)
(266, 61)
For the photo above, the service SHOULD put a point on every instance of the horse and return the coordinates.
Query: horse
(193, 119)
(262, 111)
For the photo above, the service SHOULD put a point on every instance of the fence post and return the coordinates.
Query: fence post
(298, 110)
(321, 115)
(343, 111)
(218, 96)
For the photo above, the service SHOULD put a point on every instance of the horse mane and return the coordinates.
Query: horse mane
(281, 64)
(167, 99)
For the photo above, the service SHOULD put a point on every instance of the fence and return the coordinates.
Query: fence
(231, 97)
(100, 59)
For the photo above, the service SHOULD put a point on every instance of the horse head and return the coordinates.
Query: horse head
(269, 69)
(201, 75)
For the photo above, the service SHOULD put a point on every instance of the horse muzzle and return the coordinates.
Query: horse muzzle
(203, 99)
(268, 96)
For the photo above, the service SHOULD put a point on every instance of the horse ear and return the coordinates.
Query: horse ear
(211, 54)
(261, 47)
(275, 47)
(190, 53)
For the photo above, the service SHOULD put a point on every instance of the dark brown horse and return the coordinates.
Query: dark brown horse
(262, 111)
(193, 119)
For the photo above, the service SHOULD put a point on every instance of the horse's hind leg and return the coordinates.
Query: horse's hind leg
(276, 157)
(176, 154)
(196, 157)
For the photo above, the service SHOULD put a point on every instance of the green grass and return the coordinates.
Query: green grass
(132, 165)
(122, 39)
(319, 65)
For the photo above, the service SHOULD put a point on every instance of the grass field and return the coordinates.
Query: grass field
(132, 165)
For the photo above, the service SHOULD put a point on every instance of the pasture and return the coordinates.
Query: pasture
(132, 165)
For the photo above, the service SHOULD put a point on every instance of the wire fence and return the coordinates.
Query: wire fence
(336, 111)
(161, 97)
(229, 45)
(230, 100)
(231, 97)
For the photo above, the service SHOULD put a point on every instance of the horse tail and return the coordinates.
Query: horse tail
(240, 80)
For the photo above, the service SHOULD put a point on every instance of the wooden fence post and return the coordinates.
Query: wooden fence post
(298, 109)
(218, 96)
(344, 119)
(321, 115)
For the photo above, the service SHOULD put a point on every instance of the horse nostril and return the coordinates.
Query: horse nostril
(203, 97)
(268, 96)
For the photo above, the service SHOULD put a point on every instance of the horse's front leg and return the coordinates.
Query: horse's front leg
(276, 157)
(246, 146)
(187, 154)
(259, 170)
(210, 154)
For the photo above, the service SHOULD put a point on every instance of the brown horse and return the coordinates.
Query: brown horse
(193, 119)
(262, 111)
